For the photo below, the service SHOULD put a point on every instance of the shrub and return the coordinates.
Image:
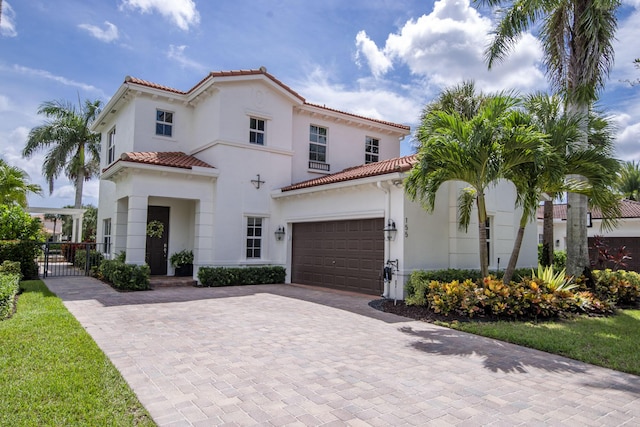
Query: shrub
(94, 259)
(123, 276)
(180, 258)
(10, 267)
(617, 287)
(9, 286)
(24, 252)
(222, 276)
(458, 297)
(559, 258)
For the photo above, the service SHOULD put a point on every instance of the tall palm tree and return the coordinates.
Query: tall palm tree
(14, 185)
(595, 162)
(73, 149)
(577, 39)
(476, 150)
(629, 181)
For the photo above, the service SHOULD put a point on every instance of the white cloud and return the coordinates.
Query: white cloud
(7, 21)
(49, 76)
(109, 34)
(378, 62)
(177, 54)
(183, 13)
(5, 104)
(447, 46)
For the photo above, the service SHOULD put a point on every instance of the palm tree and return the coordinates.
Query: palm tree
(54, 218)
(73, 148)
(594, 162)
(577, 39)
(474, 148)
(14, 185)
(629, 181)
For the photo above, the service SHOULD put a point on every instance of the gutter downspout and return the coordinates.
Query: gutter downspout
(387, 247)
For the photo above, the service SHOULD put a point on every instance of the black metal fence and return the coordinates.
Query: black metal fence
(69, 259)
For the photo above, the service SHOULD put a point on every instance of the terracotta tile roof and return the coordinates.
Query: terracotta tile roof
(398, 164)
(384, 122)
(152, 85)
(629, 209)
(174, 159)
(262, 71)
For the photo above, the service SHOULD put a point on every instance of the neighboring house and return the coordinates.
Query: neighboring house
(626, 233)
(244, 171)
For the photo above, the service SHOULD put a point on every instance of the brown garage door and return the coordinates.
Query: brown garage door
(345, 255)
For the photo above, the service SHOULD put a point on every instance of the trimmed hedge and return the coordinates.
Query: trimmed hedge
(222, 276)
(129, 277)
(24, 252)
(9, 286)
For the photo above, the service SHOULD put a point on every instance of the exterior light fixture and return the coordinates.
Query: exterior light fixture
(390, 230)
(279, 233)
(589, 223)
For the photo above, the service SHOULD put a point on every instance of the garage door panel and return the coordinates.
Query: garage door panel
(343, 254)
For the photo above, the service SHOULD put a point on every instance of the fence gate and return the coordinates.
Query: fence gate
(68, 259)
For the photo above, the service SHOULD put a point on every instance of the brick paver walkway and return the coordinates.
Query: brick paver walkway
(287, 355)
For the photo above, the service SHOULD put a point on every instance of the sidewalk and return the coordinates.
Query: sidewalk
(279, 355)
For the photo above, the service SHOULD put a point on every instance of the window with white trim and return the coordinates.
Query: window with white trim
(106, 235)
(371, 149)
(164, 123)
(256, 131)
(317, 144)
(254, 237)
(111, 145)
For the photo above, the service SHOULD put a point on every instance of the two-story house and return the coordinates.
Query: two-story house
(244, 171)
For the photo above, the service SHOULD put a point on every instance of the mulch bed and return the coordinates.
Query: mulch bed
(421, 313)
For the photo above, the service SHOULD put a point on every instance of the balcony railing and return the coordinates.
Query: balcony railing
(321, 166)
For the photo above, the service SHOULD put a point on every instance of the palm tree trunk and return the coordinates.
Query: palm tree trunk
(513, 260)
(547, 234)
(577, 245)
(80, 178)
(482, 234)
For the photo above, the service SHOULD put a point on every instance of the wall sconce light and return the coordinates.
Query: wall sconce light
(279, 233)
(390, 230)
(257, 182)
(589, 223)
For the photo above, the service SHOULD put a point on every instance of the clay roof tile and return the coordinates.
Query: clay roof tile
(398, 164)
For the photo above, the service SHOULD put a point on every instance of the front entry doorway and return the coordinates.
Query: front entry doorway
(158, 241)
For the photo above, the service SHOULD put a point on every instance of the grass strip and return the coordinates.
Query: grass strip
(611, 342)
(53, 373)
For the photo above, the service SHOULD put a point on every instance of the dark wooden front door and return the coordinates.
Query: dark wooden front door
(156, 253)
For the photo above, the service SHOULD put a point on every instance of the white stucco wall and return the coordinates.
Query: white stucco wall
(345, 144)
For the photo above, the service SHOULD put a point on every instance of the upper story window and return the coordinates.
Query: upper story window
(254, 237)
(371, 150)
(111, 146)
(256, 131)
(317, 145)
(164, 123)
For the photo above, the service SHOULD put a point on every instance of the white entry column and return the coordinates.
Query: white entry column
(137, 229)
(203, 241)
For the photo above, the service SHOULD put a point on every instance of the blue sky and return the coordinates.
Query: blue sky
(381, 58)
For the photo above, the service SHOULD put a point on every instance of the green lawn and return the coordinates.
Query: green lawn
(53, 373)
(612, 342)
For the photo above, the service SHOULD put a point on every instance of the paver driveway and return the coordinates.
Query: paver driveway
(289, 355)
